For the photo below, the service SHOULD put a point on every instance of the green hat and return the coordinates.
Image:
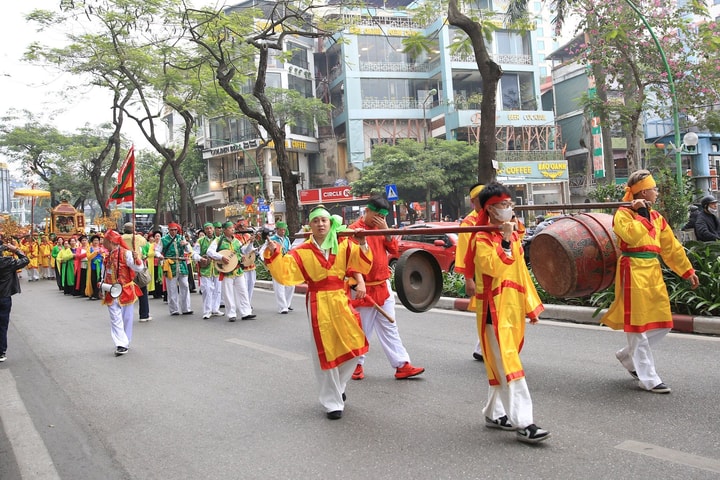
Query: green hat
(281, 225)
(217, 225)
(228, 224)
(208, 224)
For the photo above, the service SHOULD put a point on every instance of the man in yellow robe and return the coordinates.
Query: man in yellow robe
(323, 262)
(642, 306)
(505, 296)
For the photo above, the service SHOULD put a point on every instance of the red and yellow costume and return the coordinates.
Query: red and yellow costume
(503, 285)
(118, 271)
(641, 298)
(336, 326)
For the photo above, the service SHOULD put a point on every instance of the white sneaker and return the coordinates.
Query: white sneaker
(146, 319)
(218, 314)
(206, 316)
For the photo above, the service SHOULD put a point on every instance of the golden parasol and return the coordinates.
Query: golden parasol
(33, 194)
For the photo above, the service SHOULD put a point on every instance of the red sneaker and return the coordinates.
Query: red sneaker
(358, 374)
(407, 371)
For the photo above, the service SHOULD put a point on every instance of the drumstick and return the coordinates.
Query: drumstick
(376, 306)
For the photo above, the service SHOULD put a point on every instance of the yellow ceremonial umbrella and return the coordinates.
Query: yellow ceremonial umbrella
(33, 194)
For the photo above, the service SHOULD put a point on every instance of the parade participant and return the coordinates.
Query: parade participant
(246, 237)
(322, 262)
(374, 288)
(209, 276)
(642, 307)
(81, 267)
(233, 285)
(707, 225)
(156, 273)
(44, 252)
(190, 263)
(461, 250)
(283, 293)
(505, 295)
(120, 264)
(66, 257)
(96, 254)
(30, 247)
(174, 247)
(138, 243)
(9, 286)
(59, 245)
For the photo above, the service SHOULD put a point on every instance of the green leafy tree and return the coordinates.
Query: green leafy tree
(59, 160)
(622, 53)
(444, 169)
(237, 46)
(133, 48)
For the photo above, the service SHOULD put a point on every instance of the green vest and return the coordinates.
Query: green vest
(209, 270)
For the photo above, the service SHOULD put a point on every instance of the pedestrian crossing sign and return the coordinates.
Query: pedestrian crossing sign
(391, 192)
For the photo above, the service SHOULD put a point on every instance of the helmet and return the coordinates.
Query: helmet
(707, 201)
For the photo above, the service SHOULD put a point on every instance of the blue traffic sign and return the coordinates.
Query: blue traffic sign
(248, 200)
(264, 207)
(391, 192)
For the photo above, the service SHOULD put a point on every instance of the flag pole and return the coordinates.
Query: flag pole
(132, 147)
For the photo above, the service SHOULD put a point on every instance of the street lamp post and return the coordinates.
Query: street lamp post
(425, 123)
(673, 96)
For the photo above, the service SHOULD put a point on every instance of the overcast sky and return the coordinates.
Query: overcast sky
(34, 88)
(23, 86)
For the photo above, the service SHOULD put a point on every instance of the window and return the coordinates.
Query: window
(518, 91)
(511, 43)
(301, 85)
(299, 56)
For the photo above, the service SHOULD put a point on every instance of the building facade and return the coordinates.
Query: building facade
(381, 92)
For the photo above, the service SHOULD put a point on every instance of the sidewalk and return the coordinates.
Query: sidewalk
(567, 313)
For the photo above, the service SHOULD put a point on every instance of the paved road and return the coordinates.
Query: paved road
(197, 399)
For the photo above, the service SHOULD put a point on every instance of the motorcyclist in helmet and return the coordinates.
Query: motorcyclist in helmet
(707, 225)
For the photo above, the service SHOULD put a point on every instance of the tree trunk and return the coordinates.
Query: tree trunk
(491, 74)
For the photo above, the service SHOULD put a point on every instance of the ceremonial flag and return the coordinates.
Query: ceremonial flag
(125, 189)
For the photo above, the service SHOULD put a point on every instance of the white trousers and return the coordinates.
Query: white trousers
(210, 287)
(234, 291)
(331, 382)
(250, 277)
(637, 355)
(511, 399)
(283, 295)
(178, 292)
(121, 323)
(33, 274)
(217, 296)
(387, 333)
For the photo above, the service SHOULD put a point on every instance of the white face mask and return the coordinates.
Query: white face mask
(713, 210)
(503, 214)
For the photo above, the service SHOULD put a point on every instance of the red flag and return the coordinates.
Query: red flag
(125, 189)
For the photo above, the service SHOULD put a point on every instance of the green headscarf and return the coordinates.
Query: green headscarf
(336, 225)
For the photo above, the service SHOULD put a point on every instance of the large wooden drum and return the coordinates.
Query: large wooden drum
(575, 256)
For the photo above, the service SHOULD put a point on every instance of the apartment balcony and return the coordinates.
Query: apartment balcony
(210, 193)
(394, 67)
(499, 58)
(385, 103)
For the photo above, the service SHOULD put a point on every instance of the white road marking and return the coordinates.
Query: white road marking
(667, 454)
(33, 458)
(266, 349)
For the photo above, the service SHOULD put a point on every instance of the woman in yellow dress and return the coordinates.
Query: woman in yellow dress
(323, 262)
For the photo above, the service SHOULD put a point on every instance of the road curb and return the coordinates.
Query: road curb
(568, 313)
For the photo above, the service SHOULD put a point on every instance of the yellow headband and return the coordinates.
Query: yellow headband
(476, 191)
(644, 184)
